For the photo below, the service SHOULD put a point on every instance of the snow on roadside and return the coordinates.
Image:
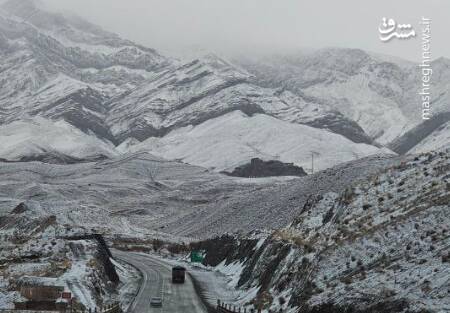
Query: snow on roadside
(214, 283)
(129, 283)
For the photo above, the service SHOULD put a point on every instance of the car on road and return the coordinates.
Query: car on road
(178, 274)
(156, 302)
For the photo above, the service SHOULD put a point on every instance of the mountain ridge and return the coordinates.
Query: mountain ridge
(63, 68)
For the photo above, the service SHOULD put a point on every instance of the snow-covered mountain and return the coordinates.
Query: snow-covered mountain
(207, 88)
(45, 73)
(379, 93)
(225, 142)
(124, 97)
(67, 71)
(40, 138)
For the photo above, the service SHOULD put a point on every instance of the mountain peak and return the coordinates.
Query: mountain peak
(22, 8)
(38, 14)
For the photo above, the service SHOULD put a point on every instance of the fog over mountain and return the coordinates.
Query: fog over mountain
(251, 26)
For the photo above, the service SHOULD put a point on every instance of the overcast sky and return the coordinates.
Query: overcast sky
(228, 26)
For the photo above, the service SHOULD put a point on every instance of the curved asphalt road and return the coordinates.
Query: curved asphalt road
(177, 298)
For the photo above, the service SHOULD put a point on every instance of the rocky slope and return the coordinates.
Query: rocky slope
(36, 249)
(427, 136)
(439, 139)
(144, 196)
(382, 245)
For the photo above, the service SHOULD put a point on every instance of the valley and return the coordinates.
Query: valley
(301, 182)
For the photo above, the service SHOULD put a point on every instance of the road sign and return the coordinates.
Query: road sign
(197, 256)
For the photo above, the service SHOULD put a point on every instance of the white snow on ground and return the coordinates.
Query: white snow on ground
(93, 48)
(129, 283)
(45, 257)
(73, 279)
(111, 84)
(62, 85)
(233, 271)
(439, 139)
(233, 139)
(141, 194)
(61, 263)
(41, 136)
(126, 145)
(375, 91)
(215, 283)
(7, 299)
(380, 117)
(57, 87)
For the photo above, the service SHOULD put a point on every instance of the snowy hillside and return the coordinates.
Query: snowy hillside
(423, 135)
(44, 77)
(210, 87)
(143, 196)
(377, 92)
(40, 138)
(437, 140)
(379, 246)
(231, 140)
(37, 250)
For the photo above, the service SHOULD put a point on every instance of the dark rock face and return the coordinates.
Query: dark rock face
(414, 136)
(341, 125)
(56, 158)
(260, 168)
(226, 248)
(104, 255)
(21, 208)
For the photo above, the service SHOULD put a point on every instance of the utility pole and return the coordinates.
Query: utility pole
(312, 161)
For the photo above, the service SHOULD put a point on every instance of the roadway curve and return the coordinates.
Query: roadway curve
(177, 298)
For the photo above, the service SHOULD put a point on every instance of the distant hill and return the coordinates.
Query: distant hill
(261, 168)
